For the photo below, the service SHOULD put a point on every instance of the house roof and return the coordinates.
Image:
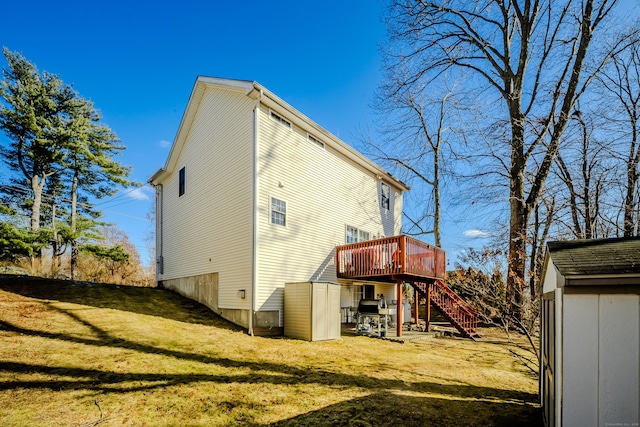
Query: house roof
(596, 257)
(257, 91)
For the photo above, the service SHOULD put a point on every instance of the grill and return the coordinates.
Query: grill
(368, 306)
(370, 319)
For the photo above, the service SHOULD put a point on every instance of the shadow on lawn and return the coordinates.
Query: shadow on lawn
(261, 372)
(382, 407)
(390, 409)
(140, 300)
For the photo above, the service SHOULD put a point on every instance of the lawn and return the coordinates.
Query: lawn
(74, 354)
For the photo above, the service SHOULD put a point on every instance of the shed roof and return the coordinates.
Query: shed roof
(596, 256)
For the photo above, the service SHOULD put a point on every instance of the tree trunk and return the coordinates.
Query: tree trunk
(55, 257)
(516, 258)
(632, 183)
(74, 240)
(37, 184)
(518, 220)
(436, 196)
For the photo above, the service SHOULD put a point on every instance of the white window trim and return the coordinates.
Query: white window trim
(317, 142)
(358, 231)
(278, 118)
(286, 212)
(382, 186)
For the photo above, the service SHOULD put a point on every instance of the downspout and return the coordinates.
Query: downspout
(254, 214)
(159, 231)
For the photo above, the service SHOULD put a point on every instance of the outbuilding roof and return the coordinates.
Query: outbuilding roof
(596, 257)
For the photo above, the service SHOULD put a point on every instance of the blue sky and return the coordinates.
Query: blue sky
(138, 62)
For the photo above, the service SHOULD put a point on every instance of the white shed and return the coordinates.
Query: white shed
(590, 334)
(312, 310)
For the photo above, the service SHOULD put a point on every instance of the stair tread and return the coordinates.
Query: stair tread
(453, 316)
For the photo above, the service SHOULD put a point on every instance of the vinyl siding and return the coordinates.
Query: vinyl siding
(600, 360)
(208, 229)
(324, 192)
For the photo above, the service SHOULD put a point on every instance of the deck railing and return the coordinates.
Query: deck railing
(390, 256)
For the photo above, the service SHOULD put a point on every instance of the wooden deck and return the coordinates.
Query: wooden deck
(389, 259)
(403, 259)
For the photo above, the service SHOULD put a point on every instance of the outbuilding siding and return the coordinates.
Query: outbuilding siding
(591, 345)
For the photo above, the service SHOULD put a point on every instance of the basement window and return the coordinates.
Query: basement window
(278, 212)
(312, 139)
(278, 118)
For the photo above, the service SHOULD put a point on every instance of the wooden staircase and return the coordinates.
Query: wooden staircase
(451, 306)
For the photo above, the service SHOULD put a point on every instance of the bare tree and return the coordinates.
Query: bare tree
(621, 82)
(543, 216)
(538, 58)
(414, 133)
(581, 169)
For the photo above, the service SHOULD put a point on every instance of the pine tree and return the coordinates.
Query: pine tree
(30, 117)
(92, 169)
(60, 147)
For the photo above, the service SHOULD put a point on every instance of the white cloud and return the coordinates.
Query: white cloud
(164, 143)
(139, 193)
(476, 234)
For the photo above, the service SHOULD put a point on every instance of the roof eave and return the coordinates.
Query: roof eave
(157, 177)
(251, 89)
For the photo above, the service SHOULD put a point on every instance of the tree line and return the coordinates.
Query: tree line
(61, 159)
(530, 107)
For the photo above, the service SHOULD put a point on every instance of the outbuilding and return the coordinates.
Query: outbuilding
(312, 311)
(590, 333)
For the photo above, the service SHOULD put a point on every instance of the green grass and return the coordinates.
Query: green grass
(91, 354)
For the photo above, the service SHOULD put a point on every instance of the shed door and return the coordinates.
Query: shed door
(333, 312)
(319, 310)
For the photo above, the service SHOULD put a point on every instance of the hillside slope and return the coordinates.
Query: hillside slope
(80, 354)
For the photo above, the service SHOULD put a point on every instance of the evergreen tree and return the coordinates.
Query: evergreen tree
(30, 117)
(60, 151)
(92, 170)
(17, 241)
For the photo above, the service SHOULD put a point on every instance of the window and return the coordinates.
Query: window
(181, 183)
(352, 235)
(278, 212)
(385, 193)
(355, 235)
(315, 141)
(284, 122)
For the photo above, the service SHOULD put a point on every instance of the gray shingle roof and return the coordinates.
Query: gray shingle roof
(596, 256)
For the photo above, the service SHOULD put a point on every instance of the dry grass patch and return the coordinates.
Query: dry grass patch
(88, 354)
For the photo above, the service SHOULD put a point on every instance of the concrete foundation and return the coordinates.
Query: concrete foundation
(204, 289)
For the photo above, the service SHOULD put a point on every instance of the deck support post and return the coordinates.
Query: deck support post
(416, 308)
(399, 310)
(427, 314)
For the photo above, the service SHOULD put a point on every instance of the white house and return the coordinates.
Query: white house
(254, 195)
(590, 333)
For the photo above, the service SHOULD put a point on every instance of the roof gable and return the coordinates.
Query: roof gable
(257, 91)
